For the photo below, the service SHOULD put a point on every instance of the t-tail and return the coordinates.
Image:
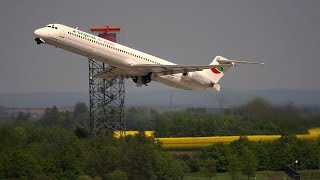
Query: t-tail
(216, 73)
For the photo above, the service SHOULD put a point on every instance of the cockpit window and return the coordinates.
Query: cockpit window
(52, 26)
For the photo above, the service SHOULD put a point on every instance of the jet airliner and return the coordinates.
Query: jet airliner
(130, 63)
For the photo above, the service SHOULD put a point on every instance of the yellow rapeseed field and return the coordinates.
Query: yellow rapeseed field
(201, 142)
(313, 133)
(117, 134)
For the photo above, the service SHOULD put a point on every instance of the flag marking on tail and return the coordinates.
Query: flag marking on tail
(217, 70)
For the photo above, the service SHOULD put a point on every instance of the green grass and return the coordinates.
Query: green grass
(310, 174)
(260, 175)
(199, 176)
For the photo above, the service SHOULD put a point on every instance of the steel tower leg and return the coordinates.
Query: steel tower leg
(106, 102)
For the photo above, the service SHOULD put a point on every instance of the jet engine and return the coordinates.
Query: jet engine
(142, 80)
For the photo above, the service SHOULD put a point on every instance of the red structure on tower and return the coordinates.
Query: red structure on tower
(107, 32)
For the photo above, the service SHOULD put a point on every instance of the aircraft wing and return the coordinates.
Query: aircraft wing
(114, 72)
(174, 69)
(144, 69)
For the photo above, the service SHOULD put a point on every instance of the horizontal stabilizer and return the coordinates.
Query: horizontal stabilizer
(234, 62)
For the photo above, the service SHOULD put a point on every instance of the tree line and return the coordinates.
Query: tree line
(254, 118)
(30, 152)
(246, 157)
(58, 145)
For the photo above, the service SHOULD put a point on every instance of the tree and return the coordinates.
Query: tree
(208, 167)
(234, 166)
(80, 117)
(101, 156)
(257, 108)
(263, 158)
(166, 167)
(248, 161)
(282, 151)
(81, 132)
(219, 152)
(139, 118)
(60, 152)
(141, 157)
(50, 117)
(80, 108)
(20, 164)
(22, 117)
(31, 152)
(117, 175)
(194, 164)
(84, 177)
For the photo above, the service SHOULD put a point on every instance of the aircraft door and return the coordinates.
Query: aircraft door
(62, 31)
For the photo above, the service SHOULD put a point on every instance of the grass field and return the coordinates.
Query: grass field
(310, 174)
(189, 143)
(260, 175)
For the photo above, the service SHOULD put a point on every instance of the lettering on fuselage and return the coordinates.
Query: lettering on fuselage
(87, 35)
(92, 37)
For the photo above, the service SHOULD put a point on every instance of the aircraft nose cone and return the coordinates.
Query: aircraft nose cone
(39, 33)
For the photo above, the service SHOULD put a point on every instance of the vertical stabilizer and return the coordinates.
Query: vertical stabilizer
(215, 74)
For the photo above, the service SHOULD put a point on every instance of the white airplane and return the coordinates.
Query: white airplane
(127, 62)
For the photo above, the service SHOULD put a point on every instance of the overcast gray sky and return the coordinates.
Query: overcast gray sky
(283, 34)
